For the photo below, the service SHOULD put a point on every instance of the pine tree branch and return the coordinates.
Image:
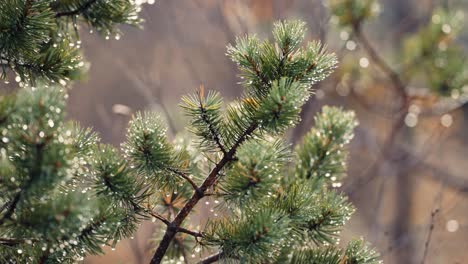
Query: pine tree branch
(173, 227)
(211, 259)
(179, 229)
(189, 232)
(159, 217)
(186, 177)
(77, 11)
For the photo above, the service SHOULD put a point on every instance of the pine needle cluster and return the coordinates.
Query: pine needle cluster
(39, 38)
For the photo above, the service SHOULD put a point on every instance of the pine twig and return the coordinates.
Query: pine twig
(186, 177)
(159, 217)
(179, 229)
(189, 232)
(211, 259)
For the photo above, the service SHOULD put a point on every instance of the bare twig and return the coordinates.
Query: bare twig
(211, 259)
(435, 211)
(186, 177)
(189, 232)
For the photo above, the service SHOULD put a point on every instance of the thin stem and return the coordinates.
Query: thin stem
(77, 11)
(159, 217)
(189, 232)
(435, 211)
(211, 259)
(186, 177)
(179, 229)
(429, 236)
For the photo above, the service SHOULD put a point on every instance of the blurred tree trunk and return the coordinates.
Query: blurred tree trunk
(403, 15)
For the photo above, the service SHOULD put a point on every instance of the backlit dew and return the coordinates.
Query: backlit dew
(320, 94)
(446, 120)
(344, 35)
(351, 45)
(452, 225)
(18, 79)
(446, 28)
(414, 109)
(364, 62)
(20, 251)
(117, 37)
(411, 120)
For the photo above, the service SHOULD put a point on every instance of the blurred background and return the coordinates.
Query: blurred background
(407, 176)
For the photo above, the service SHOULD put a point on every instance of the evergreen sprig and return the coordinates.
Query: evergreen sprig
(63, 197)
(35, 39)
(268, 210)
(321, 155)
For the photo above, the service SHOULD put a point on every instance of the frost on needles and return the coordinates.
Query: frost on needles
(66, 194)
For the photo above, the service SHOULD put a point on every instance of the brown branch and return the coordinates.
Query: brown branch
(77, 11)
(173, 227)
(186, 177)
(211, 259)
(159, 217)
(189, 232)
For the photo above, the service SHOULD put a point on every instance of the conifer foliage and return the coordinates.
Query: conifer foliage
(276, 204)
(39, 38)
(65, 195)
